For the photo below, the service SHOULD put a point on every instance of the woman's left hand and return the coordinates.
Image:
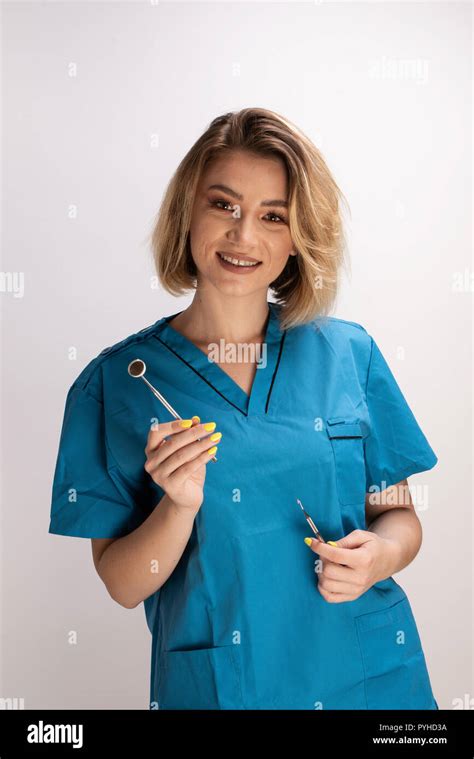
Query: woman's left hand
(351, 567)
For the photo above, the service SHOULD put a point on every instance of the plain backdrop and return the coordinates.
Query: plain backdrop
(100, 102)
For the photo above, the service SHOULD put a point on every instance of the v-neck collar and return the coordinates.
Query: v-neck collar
(221, 382)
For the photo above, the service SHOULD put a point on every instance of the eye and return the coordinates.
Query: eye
(215, 204)
(220, 203)
(276, 216)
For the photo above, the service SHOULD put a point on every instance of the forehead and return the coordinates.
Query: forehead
(247, 173)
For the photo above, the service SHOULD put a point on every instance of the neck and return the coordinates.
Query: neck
(233, 319)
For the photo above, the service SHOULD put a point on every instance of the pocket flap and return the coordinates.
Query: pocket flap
(340, 427)
(200, 678)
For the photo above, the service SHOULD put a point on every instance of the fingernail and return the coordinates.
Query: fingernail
(308, 541)
(196, 418)
(209, 426)
(216, 436)
(212, 450)
(331, 543)
(185, 422)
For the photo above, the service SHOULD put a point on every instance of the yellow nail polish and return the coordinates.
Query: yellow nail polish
(210, 426)
(185, 422)
(215, 437)
(308, 541)
(196, 418)
(212, 450)
(331, 543)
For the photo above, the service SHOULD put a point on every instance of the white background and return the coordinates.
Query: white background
(384, 89)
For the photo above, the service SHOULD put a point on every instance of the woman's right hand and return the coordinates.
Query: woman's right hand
(178, 465)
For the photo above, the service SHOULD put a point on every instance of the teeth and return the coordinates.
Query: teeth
(237, 261)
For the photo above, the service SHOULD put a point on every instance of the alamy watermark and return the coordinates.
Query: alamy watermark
(231, 353)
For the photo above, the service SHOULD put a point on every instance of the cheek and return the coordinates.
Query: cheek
(199, 229)
(280, 252)
(208, 223)
(203, 232)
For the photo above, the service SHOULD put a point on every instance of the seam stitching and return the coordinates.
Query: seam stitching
(200, 375)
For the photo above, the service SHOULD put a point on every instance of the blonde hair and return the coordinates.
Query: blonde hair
(308, 285)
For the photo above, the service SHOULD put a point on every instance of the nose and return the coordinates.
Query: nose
(242, 231)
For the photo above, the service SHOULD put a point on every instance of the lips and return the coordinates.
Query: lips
(238, 257)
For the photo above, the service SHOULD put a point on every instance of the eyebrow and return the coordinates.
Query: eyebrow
(238, 196)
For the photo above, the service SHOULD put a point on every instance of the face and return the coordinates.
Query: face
(240, 212)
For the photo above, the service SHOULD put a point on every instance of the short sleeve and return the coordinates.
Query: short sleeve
(90, 497)
(395, 447)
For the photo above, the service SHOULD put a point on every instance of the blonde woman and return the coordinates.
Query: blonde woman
(199, 518)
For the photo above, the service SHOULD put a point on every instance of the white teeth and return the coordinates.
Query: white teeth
(237, 261)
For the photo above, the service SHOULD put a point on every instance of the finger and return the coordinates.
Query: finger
(167, 460)
(186, 429)
(335, 586)
(347, 556)
(335, 598)
(160, 430)
(181, 474)
(338, 572)
(183, 440)
(195, 420)
(183, 457)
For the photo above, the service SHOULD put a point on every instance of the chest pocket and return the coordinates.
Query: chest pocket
(348, 447)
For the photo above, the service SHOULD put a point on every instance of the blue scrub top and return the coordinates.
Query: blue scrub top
(240, 623)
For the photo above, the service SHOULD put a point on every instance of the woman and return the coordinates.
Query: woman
(297, 405)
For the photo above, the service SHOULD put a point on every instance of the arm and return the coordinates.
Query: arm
(136, 565)
(396, 521)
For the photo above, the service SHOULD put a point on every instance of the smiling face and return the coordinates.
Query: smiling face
(240, 212)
